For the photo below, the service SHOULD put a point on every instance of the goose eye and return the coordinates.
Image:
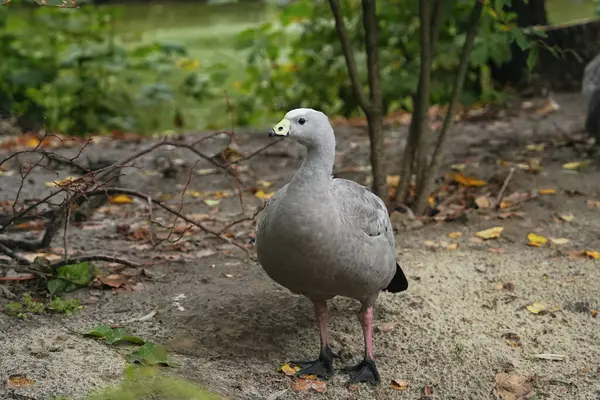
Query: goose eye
(301, 121)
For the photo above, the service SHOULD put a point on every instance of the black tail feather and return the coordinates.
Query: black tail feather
(399, 282)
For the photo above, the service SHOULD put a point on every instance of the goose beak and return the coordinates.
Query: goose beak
(281, 129)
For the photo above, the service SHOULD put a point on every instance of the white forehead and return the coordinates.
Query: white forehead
(298, 112)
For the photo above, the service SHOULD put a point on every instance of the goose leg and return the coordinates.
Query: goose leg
(366, 371)
(322, 366)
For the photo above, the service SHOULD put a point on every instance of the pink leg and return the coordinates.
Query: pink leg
(322, 320)
(366, 320)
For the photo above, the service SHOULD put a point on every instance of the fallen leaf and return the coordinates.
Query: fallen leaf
(482, 202)
(228, 275)
(592, 254)
(491, 233)
(575, 165)
(114, 280)
(393, 180)
(593, 203)
(536, 240)
(19, 380)
(428, 390)
(551, 357)
(120, 199)
(468, 181)
(262, 195)
(452, 246)
(304, 384)
(211, 202)
(536, 308)
(567, 217)
(264, 183)
(497, 250)
(288, 369)
(149, 354)
(399, 385)
(455, 235)
(301, 385)
(547, 191)
(559, 241)
(512, 387)
(386, 327)
(113, 335)
(512, 339)
(594, 313)
(458, 167)
(430, 243)
(61, 182)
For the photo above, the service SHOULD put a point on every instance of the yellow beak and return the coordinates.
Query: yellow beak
(281, 129)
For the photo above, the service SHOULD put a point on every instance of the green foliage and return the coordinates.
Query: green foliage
(144, 383)
(299, 62)
(113, 335)
(67, 65)
(28, 306)
(70, 277)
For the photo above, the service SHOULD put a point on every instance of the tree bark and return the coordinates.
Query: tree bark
(436, 159)
(372, 107)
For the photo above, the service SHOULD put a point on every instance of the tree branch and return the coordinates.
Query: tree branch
(340, 27)
(459, 79)
(98, 257)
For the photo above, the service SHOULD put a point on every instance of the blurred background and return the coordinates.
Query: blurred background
(151, 66)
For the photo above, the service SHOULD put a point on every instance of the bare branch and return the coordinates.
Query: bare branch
(340, 27)
(98, 257)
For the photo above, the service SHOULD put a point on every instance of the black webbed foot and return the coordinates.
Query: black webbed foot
(366, 371)
(321, 367)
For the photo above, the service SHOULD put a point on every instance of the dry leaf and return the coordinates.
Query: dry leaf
(393, 180)
(120, 199)
(547, 191)
(114, 280)
(428, 390)
(512, 387)
(535, 147)
(592, 254)
(262, 195)
(19, 380)
(309, 382)
(386, 327)
(458, 167)
(559, 241)
(61, 182)
(468, 181)
(430, 243)
(567, 217)
(399, 385)
(491, 233)
(264, 183)
(455, 235)
(497, 250)
(575, 165)
(551, 357)
(452, 246)
(536, 240)
(512, 339)
(228, 275)
(536, 308)
(288, 369)
(593, 203)
(482, 202)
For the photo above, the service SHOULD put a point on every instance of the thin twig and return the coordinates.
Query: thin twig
(8, 252)
(251, 218)
(503, 189)
(98, 257)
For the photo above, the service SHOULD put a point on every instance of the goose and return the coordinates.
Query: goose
(323, 237)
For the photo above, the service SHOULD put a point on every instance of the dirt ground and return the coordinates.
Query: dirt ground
(229, 327)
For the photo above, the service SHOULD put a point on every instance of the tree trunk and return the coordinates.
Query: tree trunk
(426, 185)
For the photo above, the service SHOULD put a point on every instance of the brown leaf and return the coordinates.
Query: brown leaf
(428, 390)
(512, 339)
(386, 327)
(399, 384)
(19, 380)
(497, 250)
(482, 202)
(512, 387)
(114, 280)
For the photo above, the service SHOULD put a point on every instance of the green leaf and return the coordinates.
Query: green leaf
(149, 354)
(113, 335)
(70, 277)
(532, 58)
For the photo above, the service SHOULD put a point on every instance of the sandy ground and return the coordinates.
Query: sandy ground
(448, 332)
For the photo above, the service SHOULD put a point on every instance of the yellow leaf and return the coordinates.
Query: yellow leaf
(468, 181)
(431, 201)
(61, 182)
(454, 235)
(458, 167)
(567, 217)
(593, 254)
(288, 369)
(211, 202)
(452, 246)
(120, 199)
(431, 243)
(393, 180)
(536, 240)
(576, 165)
(399, 385)
(536, 307)
(559, 240)
(264, 184)
(505, 204)
(262, 195)
(547, 191)
(491, 233)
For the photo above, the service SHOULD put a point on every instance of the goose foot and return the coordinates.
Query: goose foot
(321, 367)
(366, 371)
